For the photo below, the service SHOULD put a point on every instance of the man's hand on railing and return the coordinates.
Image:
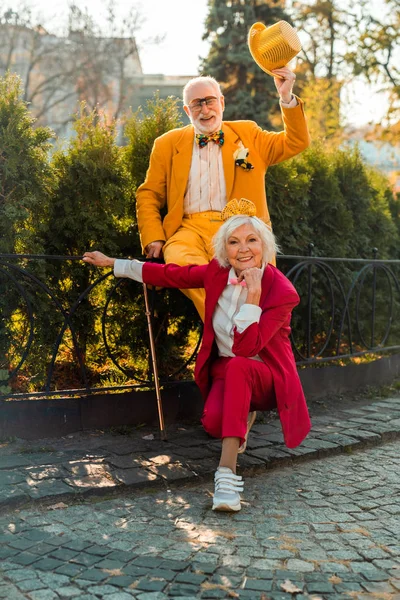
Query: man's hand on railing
(98, 259)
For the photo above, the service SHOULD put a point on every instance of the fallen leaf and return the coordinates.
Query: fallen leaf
(289, 587)
(57, 506)
(148, 437)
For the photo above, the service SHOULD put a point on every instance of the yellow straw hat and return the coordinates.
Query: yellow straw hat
(273, 47)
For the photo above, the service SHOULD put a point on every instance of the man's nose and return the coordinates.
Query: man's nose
(204, 107)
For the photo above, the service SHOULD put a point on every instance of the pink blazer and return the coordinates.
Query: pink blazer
(269, 338)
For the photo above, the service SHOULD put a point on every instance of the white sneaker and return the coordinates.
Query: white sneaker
(227, 488)
(250, 422)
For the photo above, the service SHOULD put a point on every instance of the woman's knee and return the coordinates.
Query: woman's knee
(212, 422)
(237, 364)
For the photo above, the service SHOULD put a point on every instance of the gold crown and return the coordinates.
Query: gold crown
(273, 47)
(238, 207)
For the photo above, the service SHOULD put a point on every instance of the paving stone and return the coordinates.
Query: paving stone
(69, 592)
(7, 552)
(122, 581)
(21, 544)
(43, 595)
(379, 589)
(191, 578)
(320, 587)
(69, 569)
(174, 565)
(262, 585)
(151, 585)
(86, 559)
(152, 596)
(47, 488)
(25, 558)
(299, 565)
(94, 575)
(149, 562)
(119, 596)
(182, 589)
(30, 585)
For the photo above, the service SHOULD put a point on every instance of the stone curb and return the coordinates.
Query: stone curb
(91, 465)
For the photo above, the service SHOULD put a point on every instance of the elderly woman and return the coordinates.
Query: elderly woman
(245, 362)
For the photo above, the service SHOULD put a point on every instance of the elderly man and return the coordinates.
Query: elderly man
(195, 170)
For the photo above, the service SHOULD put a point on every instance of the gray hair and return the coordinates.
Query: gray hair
(268, 241)
(202, 79)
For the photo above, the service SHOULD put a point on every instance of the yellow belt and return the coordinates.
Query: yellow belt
(212, 215)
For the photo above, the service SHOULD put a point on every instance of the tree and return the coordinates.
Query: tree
(249, 92)
(87, 63)
(26, 185)
(91, 208)
(41, 60)
(376, 58)
(342, 43)
(325, 28)
(26, 180)
(107, 56)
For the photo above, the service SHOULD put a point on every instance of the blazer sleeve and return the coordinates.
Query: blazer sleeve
(151, 197)
(174, 276)
(258, 335)
(276, 147)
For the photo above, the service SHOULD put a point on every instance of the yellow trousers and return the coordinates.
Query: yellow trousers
(192, 245)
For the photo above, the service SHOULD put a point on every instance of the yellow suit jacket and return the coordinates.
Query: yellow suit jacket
(170, 160)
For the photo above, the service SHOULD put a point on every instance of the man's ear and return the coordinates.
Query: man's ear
(223, 102)
(185, 108)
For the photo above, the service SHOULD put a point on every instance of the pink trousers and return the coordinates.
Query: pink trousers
(239, 385)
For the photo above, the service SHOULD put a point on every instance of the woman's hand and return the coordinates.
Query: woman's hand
(98, 259)
(253, 278)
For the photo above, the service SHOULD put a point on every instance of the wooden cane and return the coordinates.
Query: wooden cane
(154, 364)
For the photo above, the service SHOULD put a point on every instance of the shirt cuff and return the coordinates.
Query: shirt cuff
(247, 315)
(128, 268)
(290, 104)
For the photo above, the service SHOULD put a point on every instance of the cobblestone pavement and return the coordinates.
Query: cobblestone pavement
(327, 529)
(101, 463)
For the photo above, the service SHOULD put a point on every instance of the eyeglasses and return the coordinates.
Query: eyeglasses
(196, 105)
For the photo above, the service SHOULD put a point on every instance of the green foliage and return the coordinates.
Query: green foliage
(26, 179)
(248, 91)
(82, 198)
(332, 199)
(91, 209)
(143, 127)
(93, 200)
(26, 184)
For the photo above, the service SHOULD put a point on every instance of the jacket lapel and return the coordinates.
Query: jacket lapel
(181, 161)
(217, 280)
(231, 144)
(267, 281)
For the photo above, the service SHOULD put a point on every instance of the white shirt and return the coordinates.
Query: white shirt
(206, 188)
(230, 311)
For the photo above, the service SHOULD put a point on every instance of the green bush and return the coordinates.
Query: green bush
(82, 197)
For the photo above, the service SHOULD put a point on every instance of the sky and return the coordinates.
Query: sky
(181, 22)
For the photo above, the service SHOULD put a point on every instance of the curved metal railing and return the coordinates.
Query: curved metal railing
(348, 309)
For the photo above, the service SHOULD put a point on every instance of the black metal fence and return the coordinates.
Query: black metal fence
(349, 309)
